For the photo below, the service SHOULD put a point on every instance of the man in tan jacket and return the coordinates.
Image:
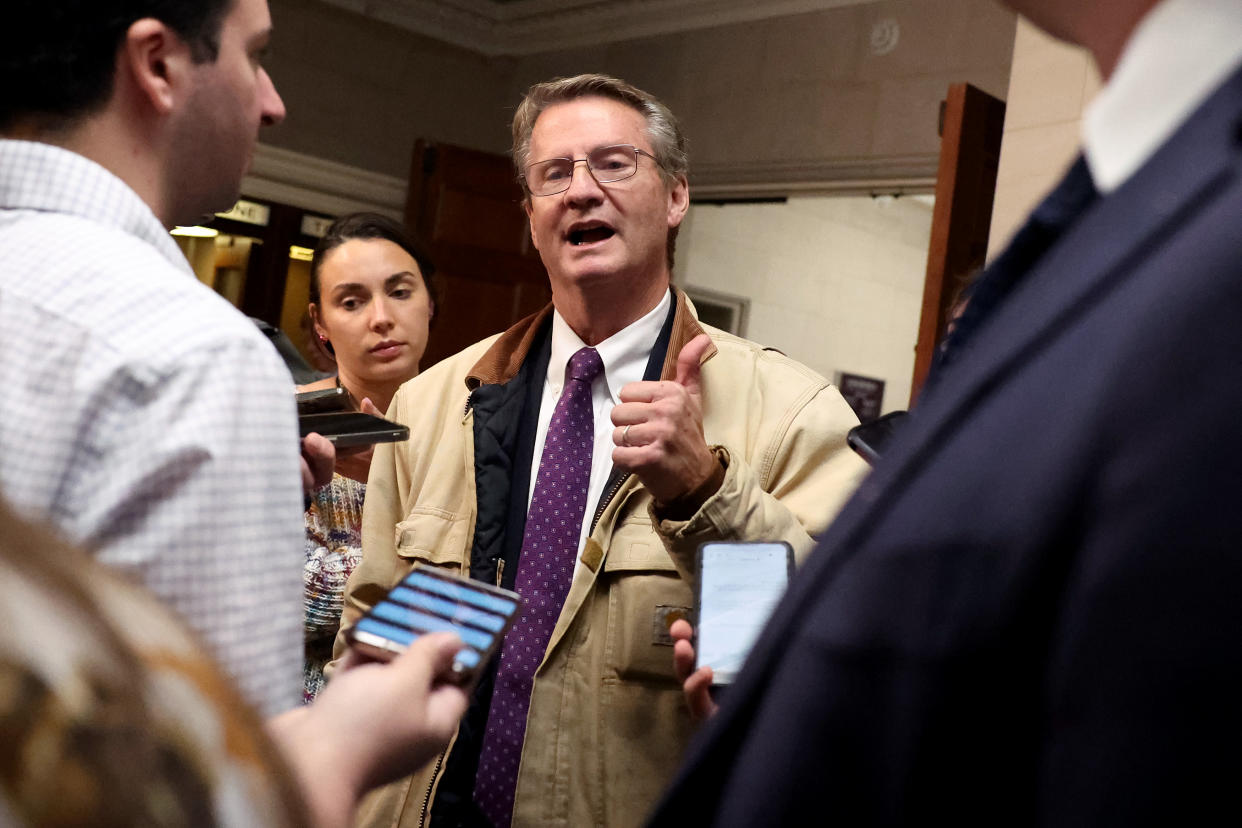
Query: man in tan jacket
(692, 435)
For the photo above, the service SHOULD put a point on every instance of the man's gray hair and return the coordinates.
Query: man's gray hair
(667, 142)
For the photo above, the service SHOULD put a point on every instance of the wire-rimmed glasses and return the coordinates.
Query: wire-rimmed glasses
(606, 164)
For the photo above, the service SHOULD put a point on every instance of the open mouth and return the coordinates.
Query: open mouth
(590, 234)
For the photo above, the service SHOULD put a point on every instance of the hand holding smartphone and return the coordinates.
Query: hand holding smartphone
(352, 428)
(870, 440)
(427, 601)
(322, 401)
(738, 586)
(327, 412)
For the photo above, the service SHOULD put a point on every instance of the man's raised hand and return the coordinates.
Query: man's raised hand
(659, 429)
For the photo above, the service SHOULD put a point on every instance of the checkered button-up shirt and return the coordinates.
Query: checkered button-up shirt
(144, 417)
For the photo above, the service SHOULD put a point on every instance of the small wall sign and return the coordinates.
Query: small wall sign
(864, 394)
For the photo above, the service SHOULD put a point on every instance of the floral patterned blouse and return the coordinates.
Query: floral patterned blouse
(333, 549)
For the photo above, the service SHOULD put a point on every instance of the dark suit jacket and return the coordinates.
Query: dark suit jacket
(1031, 613)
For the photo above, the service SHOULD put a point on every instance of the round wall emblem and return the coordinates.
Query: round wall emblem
(884, 36)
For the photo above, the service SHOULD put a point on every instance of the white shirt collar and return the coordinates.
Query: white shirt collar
(1178, 54)
(624, 354)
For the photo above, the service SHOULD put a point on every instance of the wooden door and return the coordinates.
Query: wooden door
(965, 187)
(466, 207)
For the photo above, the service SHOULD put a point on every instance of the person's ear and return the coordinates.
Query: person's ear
(678, 201)
(157, 62)
(313, 311)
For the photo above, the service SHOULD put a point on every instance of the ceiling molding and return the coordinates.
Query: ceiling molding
(334, 189)
(327, 187)
(535, 26)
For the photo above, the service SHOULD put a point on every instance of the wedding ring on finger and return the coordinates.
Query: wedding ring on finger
(625, 435)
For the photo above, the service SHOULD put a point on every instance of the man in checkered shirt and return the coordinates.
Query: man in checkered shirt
(142, 415)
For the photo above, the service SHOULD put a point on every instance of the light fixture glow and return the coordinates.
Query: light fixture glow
(196, 232)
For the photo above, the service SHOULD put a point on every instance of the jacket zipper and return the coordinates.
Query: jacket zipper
(422, 820)
(603, 504)
(500, 570)
(435, 774)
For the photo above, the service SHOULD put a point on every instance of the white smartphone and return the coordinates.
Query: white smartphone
(738, 586)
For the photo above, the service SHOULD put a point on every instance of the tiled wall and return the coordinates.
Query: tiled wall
(1050, 84)
(834, 282)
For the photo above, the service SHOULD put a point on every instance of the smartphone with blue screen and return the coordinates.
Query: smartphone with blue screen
(427, 601)
(738, 587)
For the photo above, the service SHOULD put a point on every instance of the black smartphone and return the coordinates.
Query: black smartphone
(428, 600)
(353, 428)
(738, 585)
(319, 402)
(870, 439)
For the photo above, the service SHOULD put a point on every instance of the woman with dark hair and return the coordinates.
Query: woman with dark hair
(372, 299)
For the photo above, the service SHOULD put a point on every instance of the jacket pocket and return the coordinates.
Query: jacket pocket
(432, 537)
(645, 728)
(645, 595)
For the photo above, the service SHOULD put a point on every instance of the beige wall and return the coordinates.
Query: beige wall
(803, 99)
(360, 92)
(795, 100)
(1050, 84)
(834, 282)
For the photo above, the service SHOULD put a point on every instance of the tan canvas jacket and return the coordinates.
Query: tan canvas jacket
(607, 723)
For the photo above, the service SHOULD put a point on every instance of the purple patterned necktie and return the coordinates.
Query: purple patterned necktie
(549, 547)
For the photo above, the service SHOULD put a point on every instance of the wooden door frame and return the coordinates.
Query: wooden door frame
(972, 124)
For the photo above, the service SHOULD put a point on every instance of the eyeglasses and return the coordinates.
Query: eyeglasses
(607, 165)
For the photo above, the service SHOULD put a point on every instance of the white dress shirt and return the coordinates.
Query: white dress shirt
(1177, 56)
(145, 418)
(625, 356)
